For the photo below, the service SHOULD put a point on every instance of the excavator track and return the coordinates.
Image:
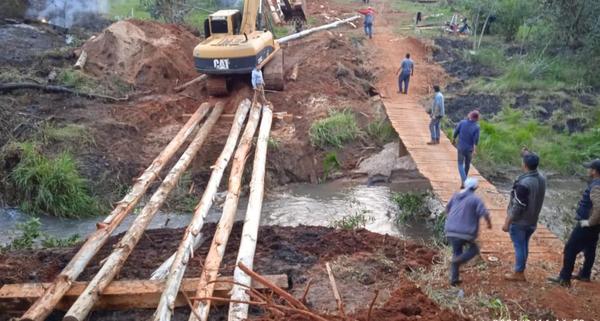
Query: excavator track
(217, 86)
(273, 72)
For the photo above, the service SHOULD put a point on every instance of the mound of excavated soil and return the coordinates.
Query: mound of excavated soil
(145, 54)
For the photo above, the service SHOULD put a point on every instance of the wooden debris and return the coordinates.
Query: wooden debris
(196, 80)
(115, 261)
(177, 263)
(80, 64)
(239, 311)
(44, 306)
(221, 236)
(336, 293)
(56, 89)
(294, 75)
(119, 295)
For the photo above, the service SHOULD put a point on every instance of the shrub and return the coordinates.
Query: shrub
(330, 163)
(410, 206)
(352, 222)
(335, 130)
(381, 131)
(70, 133)
(53, 186)
(30, 231)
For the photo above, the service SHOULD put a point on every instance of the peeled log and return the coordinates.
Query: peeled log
(45, 304)
(177, 263)
(313, 30)
(217, 249)
(191, 82)
(81, 60)
(115, 261)
(239, 311)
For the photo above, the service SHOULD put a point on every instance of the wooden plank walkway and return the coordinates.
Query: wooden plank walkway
(438, 163)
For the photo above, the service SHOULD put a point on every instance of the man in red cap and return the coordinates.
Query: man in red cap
(369, 14)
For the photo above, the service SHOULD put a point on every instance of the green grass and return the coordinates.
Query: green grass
(122, 9)
(381, 131)
(502, 139)
(410, 206)
(354, 221)
(77, 80)
(335, 130)
(51, 185)
(330, 163)
(70, 133)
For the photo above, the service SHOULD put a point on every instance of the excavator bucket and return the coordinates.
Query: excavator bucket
(293, 10)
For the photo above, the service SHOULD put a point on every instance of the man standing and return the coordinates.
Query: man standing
(526, 200)
(467, 132)
(369, 14)
(584, 237)
(437, 113)
(407, 68)
(462, 226)
(258, 84)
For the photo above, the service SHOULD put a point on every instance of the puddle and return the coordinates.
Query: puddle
(292, 205)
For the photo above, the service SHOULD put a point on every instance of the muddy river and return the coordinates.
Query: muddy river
(292, 205)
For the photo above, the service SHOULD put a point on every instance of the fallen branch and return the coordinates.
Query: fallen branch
(56, 89)
(310, 282)
(371, 305)
(191, 82)
(336, 293)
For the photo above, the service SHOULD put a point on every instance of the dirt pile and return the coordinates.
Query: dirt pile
(146, 54)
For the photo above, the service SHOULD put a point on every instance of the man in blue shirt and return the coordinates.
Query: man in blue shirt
(258, 84)
(436, 113)
(467, 132)
(465, 209)
(407, 68)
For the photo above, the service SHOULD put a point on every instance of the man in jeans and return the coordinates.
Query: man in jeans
(369, 14)
(462, 226)
(437, 113)
(526, 200)
(584, 237)
(467, 132)
(407, 69)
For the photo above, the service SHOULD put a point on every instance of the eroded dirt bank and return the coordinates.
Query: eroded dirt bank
(362, 263)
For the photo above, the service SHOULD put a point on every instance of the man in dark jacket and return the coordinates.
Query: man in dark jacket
(584, 237)
(467, 132)
(462, 226)
(526, 200)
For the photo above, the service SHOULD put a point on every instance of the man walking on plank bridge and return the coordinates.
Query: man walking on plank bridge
(526, 200)
(407, 69)
(467, 132)
(584, 237)
(436, 113)
(464, 210)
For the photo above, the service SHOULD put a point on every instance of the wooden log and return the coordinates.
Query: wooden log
(239, 311)
(191, 82)
(313, 30)
(294, 75)
(177, 263)
(116, 260)
(80, 64)
(217, 249)
(45, 304)
(119, 295)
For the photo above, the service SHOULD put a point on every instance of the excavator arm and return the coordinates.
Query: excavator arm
(250, 15)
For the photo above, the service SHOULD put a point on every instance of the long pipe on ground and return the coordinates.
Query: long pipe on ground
(176, 265)
(43, 306)
(115, 261)
(307, 32)
(215, 254)
(239, 311)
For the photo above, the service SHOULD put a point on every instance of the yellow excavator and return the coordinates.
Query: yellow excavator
(236, 42)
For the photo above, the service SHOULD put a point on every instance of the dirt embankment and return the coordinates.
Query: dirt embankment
(146, 60)
(361, 261)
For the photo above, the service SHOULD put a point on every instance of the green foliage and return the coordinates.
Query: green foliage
(381, 131)
(498, 308)
(30, 231)
(330, 163)
(53, 186)
(77, 80)
(337, 129)
(70, 133)
(182, 199)
(502, 140)
(437, 228)
(512, 14)
(410, 206)
(354, 221)
(273, 143)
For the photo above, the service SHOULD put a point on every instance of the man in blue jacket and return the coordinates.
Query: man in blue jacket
(467, 132)
(586, 233)
(465, 209)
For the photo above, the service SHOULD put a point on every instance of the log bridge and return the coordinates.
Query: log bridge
(166, 288)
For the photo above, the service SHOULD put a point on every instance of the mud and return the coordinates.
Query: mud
(362, 262)
(459, 106)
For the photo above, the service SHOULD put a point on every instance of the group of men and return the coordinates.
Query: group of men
(465, 208)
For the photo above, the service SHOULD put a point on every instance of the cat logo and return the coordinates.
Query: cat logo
(221, 64)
